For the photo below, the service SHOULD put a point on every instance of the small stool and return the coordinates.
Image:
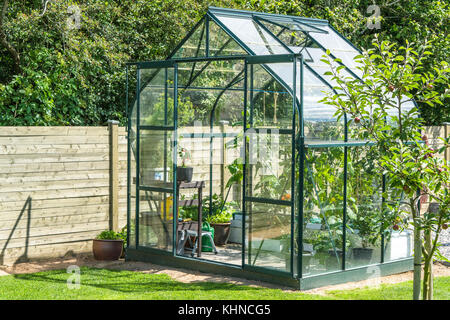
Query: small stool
(182, 241)
(187, 234)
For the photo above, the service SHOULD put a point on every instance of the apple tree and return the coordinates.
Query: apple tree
(378, 106)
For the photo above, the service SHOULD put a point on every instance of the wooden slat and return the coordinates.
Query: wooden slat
(53, 239)
(53, 203)
(56, 194)
(52, 230)
(32, 158)
(56, 166)
(45, 251)
(191, 202)
(26, 150)
(56, 185)
(45, 140)
(20, 219)
(27, 177)
(53, 131)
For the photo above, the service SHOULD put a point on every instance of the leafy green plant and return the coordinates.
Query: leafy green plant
(218, 211)
(110, 235)
(123, 234)
(236, 171)
(367, 225)
(222, 217)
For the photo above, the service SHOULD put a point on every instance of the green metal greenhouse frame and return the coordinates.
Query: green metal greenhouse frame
(274, 60)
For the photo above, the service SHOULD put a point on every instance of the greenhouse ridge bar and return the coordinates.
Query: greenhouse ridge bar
(241, 95)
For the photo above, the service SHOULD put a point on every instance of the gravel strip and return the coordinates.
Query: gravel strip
(444, 239)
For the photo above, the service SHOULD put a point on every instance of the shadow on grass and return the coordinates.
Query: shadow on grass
(131, 282)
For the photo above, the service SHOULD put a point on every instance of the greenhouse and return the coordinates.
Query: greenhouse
(228, 138)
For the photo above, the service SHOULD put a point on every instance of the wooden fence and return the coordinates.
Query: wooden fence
(61, 186)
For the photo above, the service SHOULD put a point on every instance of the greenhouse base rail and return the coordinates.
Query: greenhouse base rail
(279, 278)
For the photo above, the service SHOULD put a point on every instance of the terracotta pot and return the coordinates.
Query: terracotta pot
(221, 233)
(107, 249)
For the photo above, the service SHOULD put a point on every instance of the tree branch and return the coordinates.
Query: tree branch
(4, 41)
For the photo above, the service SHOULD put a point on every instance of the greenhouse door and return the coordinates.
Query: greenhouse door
(269, 168)
(156, 87)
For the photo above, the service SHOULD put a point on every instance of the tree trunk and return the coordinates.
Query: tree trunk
(4, 40)
(417, 263)
(428, 269)
(417, 251)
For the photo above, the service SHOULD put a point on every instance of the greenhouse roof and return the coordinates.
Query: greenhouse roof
(229, 33)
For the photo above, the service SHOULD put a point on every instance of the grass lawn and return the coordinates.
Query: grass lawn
(112, 284)
(398, 291)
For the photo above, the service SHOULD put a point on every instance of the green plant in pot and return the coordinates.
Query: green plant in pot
(328, 243)
(219, 215)
(109, 245)
(366, 225)
(184, 173)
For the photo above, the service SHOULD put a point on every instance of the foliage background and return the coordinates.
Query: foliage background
(77, 76)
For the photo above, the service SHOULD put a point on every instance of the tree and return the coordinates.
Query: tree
(377, 108)
(76, 76)
(4, 39)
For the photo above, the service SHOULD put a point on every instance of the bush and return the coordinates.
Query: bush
(77, 76)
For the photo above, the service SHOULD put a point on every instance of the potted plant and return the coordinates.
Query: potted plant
(327, 242)
(219, 215)
(366, 225)
(184, 173)
(108, 245)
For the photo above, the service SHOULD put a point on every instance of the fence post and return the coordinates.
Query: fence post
(446, 135)
(113, 127)
(223, 124)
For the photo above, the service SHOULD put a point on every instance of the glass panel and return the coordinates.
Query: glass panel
(321, 67)
(195, 45)
(132, 164)
(259, 41)
(364, 207)
(320, 124)
(338, 46)
(156, 158)
(397, 244)
(268, 235)
(269, 165)
(204, 88)
(271, 103)
(155, 220)
(221, 44)
(291, 33)
(156, 99)
(323, 210)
